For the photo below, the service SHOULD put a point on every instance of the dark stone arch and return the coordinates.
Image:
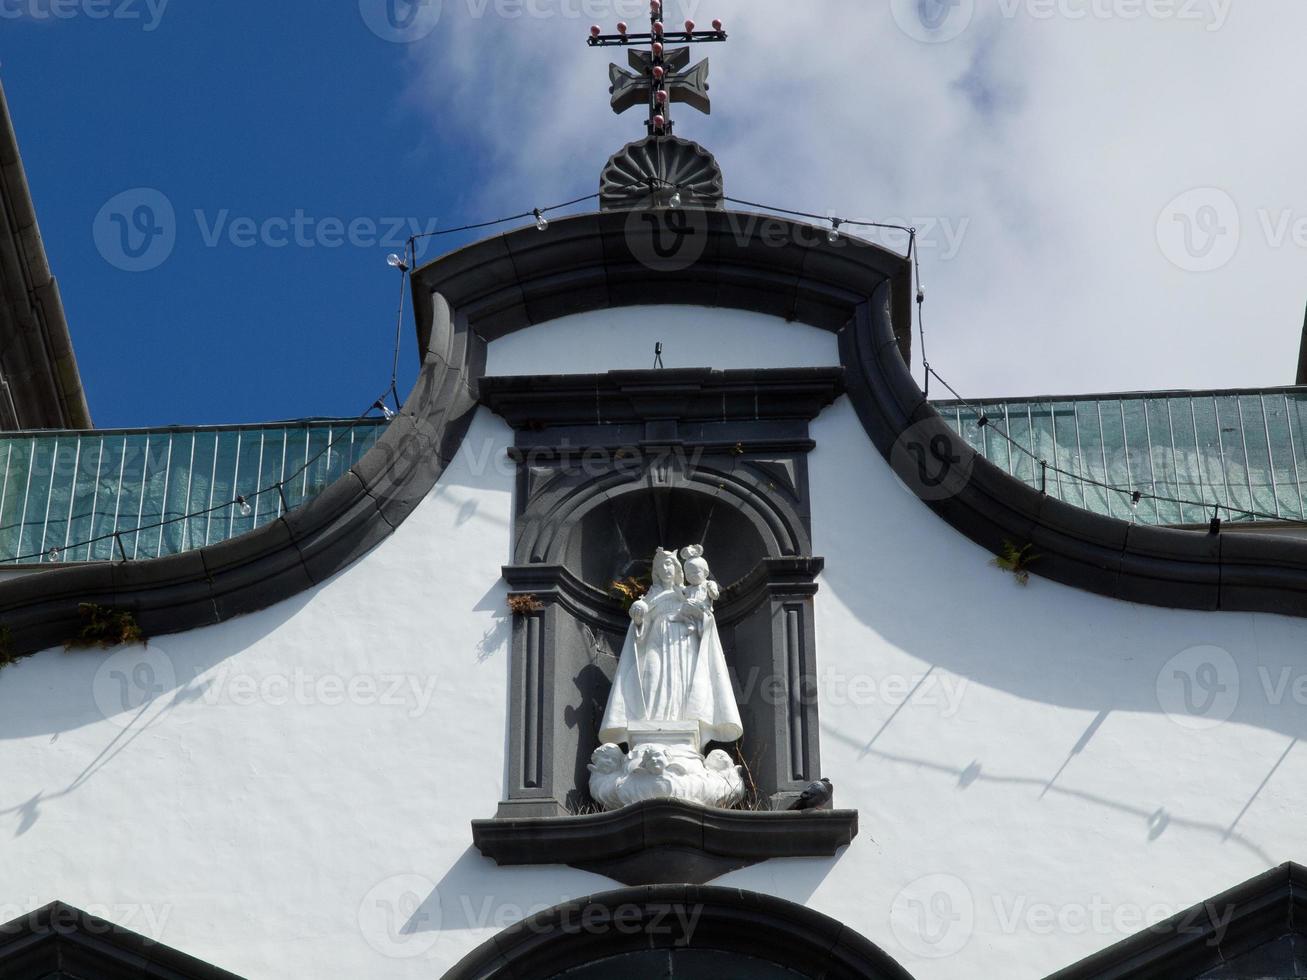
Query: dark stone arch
(668, 498)
(664, 922)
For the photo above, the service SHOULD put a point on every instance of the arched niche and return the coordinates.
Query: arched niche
(611, 467)
(680, 933)
(616, 539)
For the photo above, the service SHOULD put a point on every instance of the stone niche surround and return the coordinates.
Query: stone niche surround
(609, 467)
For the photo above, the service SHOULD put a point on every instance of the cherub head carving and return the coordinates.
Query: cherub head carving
(653, 760)
(608, 759)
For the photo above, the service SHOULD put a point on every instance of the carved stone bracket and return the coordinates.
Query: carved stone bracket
(665, 841)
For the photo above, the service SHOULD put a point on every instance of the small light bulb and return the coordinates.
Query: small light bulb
(676, 199)
(833, 236)
(655, 7)
(660, 97)
(595, 30)
(54, 555)
(622, 28)
(659, 73)
(542, 223)
(659, 121)
(658, 28)
(395, 262)
(717, 25)
(658, 49)
(244, 505)
(689, 27)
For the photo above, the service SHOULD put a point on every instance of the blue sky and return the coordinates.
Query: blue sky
(237, 111)
(1109, 191)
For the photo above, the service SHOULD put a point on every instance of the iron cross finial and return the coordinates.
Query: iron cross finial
(661, 75)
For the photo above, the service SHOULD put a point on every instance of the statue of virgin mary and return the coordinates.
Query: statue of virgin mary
(672, 666)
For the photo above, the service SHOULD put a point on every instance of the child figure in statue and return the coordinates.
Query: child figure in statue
(700, 590)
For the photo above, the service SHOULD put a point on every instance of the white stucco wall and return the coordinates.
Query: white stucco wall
(692, 336)
(295, 798)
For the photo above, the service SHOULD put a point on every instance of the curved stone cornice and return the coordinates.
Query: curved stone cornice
(730, 259)
(300, 549)
(742, 261)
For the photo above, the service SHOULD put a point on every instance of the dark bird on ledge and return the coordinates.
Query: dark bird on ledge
(817, 796)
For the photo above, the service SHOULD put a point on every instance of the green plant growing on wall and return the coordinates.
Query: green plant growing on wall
(6, 647)
(103, 628)
(522, 605)
(628, 590)
(1015, 560)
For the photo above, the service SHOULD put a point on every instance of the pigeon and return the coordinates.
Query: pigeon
(817, 796)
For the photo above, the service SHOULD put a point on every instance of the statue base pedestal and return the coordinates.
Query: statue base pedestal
(665, 763)
(664, 733)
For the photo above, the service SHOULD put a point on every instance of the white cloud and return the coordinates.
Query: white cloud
(1055, 131)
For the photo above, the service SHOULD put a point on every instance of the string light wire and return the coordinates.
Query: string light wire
(913, 256)
(1133, 493)
(238, 501)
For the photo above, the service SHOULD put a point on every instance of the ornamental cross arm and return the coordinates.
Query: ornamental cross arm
(687, 85)
(660, 75)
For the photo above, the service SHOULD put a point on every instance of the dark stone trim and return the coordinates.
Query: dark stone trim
(865, 294)
(665, 841)
(303, 548)
(62, 941)
(682, 395)
(593, 928)
(1259, 911)
(748, 262)
(37, 362)
(1155, 566)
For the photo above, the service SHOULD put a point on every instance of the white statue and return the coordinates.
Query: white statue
(671, 696)
(672, 667)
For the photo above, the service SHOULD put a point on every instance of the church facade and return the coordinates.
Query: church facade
(754, 663)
